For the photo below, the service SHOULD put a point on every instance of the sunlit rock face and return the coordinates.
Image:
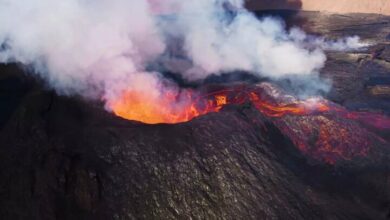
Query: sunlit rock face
(334, 6)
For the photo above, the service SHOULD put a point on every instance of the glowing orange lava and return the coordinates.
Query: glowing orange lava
(168, 108)
(323, 136)
(175, 108)
(298, 108)
(180, 107)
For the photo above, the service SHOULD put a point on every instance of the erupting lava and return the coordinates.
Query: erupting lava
(170, 108)
(320, 128)
(175, 108)
(180, 107)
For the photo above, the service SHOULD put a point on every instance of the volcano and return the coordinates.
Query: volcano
(240, 150)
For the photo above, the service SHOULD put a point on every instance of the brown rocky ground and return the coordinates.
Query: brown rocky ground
(332, 6)
(360, 79)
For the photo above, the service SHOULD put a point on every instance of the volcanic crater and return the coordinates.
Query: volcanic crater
(243, 151)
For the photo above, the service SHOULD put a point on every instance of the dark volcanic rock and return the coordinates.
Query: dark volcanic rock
(354, 74)
(66, 158)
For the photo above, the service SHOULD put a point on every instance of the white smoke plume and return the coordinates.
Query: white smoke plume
(222, 36)
(100, 48)
(218, 43)
(341, 44)
(82, 46)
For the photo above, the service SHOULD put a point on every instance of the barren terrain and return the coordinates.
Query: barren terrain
(333, 6)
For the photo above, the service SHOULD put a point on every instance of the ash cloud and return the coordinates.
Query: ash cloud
(98, 49)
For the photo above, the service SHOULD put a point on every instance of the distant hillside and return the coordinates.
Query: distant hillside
(335, 6)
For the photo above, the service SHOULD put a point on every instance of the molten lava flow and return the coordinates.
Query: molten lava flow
(171, 107)
(319, 128)
(298, 108)
(168, 108)
(175, 108)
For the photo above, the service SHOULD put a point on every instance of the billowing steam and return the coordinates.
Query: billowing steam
(221, 38)
(101, 48)
(81, 46)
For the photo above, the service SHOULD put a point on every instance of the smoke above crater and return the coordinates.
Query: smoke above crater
(100, 49)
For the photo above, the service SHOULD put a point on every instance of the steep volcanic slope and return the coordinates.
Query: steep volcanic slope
(65, 158)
